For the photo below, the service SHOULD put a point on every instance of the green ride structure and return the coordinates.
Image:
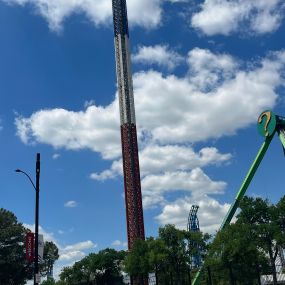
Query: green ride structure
(268, 125)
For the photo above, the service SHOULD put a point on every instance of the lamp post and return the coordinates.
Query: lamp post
(37, 188)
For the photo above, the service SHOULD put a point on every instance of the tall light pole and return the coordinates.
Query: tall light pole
(37, 189)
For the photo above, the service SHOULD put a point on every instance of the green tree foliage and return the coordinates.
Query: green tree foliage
(14, 268)
(234, 256)
(157, 254)
(168, 256)
(243, 251)
(49, 282)
(137, 261)
(266, 223)
(49, 258)
(103, 268)
(176, 252)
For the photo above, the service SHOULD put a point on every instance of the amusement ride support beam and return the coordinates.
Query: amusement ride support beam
(268, 124)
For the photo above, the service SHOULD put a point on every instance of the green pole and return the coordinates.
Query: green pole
(242, 191)
(281, 135)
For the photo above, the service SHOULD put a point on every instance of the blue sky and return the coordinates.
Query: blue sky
(203, 72)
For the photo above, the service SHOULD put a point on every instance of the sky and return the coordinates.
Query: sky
(203, 71)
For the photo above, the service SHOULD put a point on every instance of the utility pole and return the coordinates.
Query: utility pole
(38, 169)
(37, 189)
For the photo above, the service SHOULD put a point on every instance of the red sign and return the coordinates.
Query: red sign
(30, 247)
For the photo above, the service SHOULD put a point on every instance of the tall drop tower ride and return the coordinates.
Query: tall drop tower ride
(133, 196)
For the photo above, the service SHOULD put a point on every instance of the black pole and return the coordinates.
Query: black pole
(36, 258)
(209, 275)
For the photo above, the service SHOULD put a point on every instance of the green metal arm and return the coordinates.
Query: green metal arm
(268, 123)
(240, 193)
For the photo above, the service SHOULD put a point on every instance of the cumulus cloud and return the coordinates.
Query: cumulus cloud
(118, 243)
(170, 108)
(155, 159)
(70, 204)
(195, 182)
(224, 17)
(172, 168)
(75, 251)
(72, 255)
(172, 113)
(79, 246)
(210, 214)
(207, 70)
(146, 13)
(173, 108)
(160, 55)
(91, 129)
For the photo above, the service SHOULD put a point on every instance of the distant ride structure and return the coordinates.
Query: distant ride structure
(193, 226)
(132, 183)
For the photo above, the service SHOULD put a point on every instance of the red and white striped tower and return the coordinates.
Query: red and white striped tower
(133, 196)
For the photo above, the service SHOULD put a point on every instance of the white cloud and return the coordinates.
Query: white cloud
(172, 168)
(146, 13)
(161, 55)
(72, 255)
(118, 243)
(91, 129)
(181, 112)
(210, 214)
(115, 170)
(196, 182)
(207, 70)
(170, 109)
(172, 113)
(159, 159)
(75, 251)
(55, 156)
(224, 17)
(79, 246)
(89, 103)
(71, 204)
(47, 235)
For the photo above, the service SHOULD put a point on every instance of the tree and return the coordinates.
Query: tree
(14, 267)
(103, 267)
(49, 258)
(266, 222)
(157, 256)
(107, 266)
(48, 282)
(176, 252)
(197, 245)
(136, 262)
(235, 256)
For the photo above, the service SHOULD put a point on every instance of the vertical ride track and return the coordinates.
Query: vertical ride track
(133, 196)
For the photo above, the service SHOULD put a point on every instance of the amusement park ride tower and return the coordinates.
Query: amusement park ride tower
(133, 196)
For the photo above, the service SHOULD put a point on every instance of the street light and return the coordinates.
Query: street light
(37, 188)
